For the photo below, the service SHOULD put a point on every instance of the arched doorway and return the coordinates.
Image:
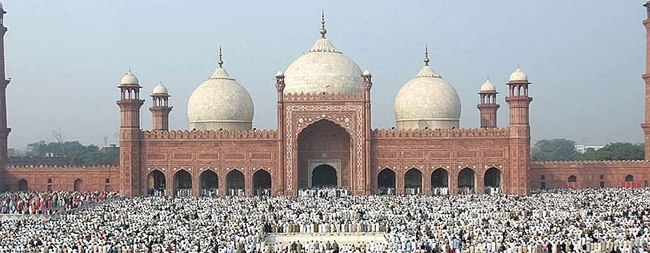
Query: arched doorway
(23, 186)
(466, 181)
(235, 183)
(324, 176)
(492, 180)
(78, 185)
(209, 183)
(156, 183)
(183, 183)
(440, 182)
(572, 179)
(262, 183)
(629, 178)
(386, 182)
(413, 182)
(323, 143)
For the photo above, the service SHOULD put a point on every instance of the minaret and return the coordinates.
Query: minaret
(160, 108)
(519, 102)
(646, 79)
(4, 130)
(279, 85)
(367, 129)
(488, 105)
(130, 104)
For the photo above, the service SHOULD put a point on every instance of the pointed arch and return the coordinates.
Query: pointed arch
(321, 146)
(572, 179)
(466, 181)
(182, 183)
(440, 182)
(78, 185)
(629, 178)
(262, 183)
(492, 180)
(324, 175)
(156, 182)
(209, 183)
(235, 183)
(23, 185)
(413, 181)
(386, 182)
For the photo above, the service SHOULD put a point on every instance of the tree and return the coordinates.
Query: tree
(555, 150)
(620, 151)
(74, 153)
(564, 150)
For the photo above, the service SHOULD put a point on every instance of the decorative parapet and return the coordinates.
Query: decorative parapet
(441, 133)
(209, 134)
(85, 167)
(322, 96)
(589, 162)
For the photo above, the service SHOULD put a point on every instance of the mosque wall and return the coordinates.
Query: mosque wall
(196, 152)
(61, 178)
(453, 150)
(589, 174)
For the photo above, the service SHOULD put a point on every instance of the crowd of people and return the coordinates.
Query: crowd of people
(47, 203)
(559, 220)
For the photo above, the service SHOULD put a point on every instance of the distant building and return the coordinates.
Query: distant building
(583, 148)
(324, 138)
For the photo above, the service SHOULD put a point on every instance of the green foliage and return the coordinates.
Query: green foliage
(555, 150)
(75, 153)
(564, 150)
(621, 151)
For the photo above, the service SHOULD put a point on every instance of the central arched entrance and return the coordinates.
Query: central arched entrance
(324, 156)
(183, 183)
(386, 182)
(324, 176)
(156, 183)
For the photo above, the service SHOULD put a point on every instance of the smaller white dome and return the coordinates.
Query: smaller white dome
(488, 86)
(518, 75)
(427, 101)
(220, 103)
(129, 78)
(367, 72)
(160, 89)
(279, 74)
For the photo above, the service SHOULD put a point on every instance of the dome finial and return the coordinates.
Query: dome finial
(426, 55)
(220, 62)
(323, 31)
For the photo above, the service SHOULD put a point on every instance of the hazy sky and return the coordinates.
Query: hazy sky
(65, 58)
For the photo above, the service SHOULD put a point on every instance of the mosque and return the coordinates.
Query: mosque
(324, 138)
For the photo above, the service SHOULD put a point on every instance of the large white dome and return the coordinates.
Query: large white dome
(427, 101)
(323, 69)
(220, 103)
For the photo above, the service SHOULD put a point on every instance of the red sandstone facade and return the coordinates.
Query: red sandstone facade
(323, 131)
